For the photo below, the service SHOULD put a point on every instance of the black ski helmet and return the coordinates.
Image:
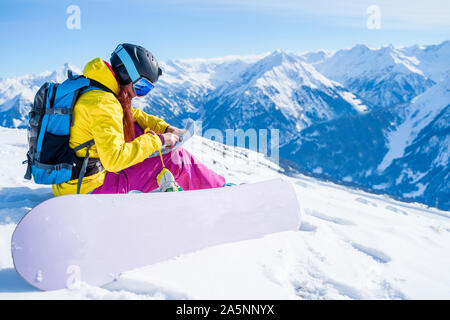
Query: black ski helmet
(131, 62)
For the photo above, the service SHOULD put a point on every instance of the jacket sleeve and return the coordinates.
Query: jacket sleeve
(107, 130)
(148, 121)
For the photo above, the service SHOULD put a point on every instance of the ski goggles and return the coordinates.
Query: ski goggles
(142, 87)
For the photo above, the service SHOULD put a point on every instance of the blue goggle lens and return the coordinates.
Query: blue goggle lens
(142, 87)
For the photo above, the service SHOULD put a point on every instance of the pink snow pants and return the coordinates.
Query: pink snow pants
(189, 173)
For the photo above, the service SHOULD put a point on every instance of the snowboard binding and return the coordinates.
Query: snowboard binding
(166, 180)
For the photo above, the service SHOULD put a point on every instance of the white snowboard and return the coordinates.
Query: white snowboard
(93, 238)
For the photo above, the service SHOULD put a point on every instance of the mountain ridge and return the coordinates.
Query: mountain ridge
(369, 93)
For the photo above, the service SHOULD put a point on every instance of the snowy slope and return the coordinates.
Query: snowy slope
(383, 77)
(279, 91)
(352, 244)
(402, 150)
(316, 57)
(419, 114)
(186, 84)
(432, 59)
(417, 161)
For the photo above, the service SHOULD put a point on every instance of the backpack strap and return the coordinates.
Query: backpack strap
(29, 170)
(92, 86)
(87, 144)
(52, 99)
(92, 83)
(98, 85)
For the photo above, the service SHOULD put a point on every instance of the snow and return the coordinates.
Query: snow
(413, 176)
(420, 190)
(421, 112)
(281, 82)
(351, 245)
(317, 170)
(385, 76)
(443, 157)
(361, 60)
(354, 101)
(430, 59)
(286, 76)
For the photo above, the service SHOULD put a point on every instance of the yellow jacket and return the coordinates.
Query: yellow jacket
(98, 115)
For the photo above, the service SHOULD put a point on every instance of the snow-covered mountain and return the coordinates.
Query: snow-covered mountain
(351, 245)
(17, 94)
(432, 59)
(403, 150)
(279, 91)
(350, 106)
(186, 84)
(383, 77)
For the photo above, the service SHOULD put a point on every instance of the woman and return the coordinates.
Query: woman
(125, 137)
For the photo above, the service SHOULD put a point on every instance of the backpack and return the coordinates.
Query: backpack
(50, 159)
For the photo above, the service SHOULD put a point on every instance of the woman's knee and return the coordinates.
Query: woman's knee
(176, 161)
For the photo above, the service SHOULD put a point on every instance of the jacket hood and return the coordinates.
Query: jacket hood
(99, 71)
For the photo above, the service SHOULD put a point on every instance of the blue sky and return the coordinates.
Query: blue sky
(35, 37)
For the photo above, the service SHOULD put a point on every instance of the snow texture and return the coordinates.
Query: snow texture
(351, 245)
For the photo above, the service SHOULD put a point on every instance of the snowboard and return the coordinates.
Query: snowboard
(94, 238)
(188, 133)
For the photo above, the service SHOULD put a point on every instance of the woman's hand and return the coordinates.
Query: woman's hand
(170, 140)
(175, 130)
